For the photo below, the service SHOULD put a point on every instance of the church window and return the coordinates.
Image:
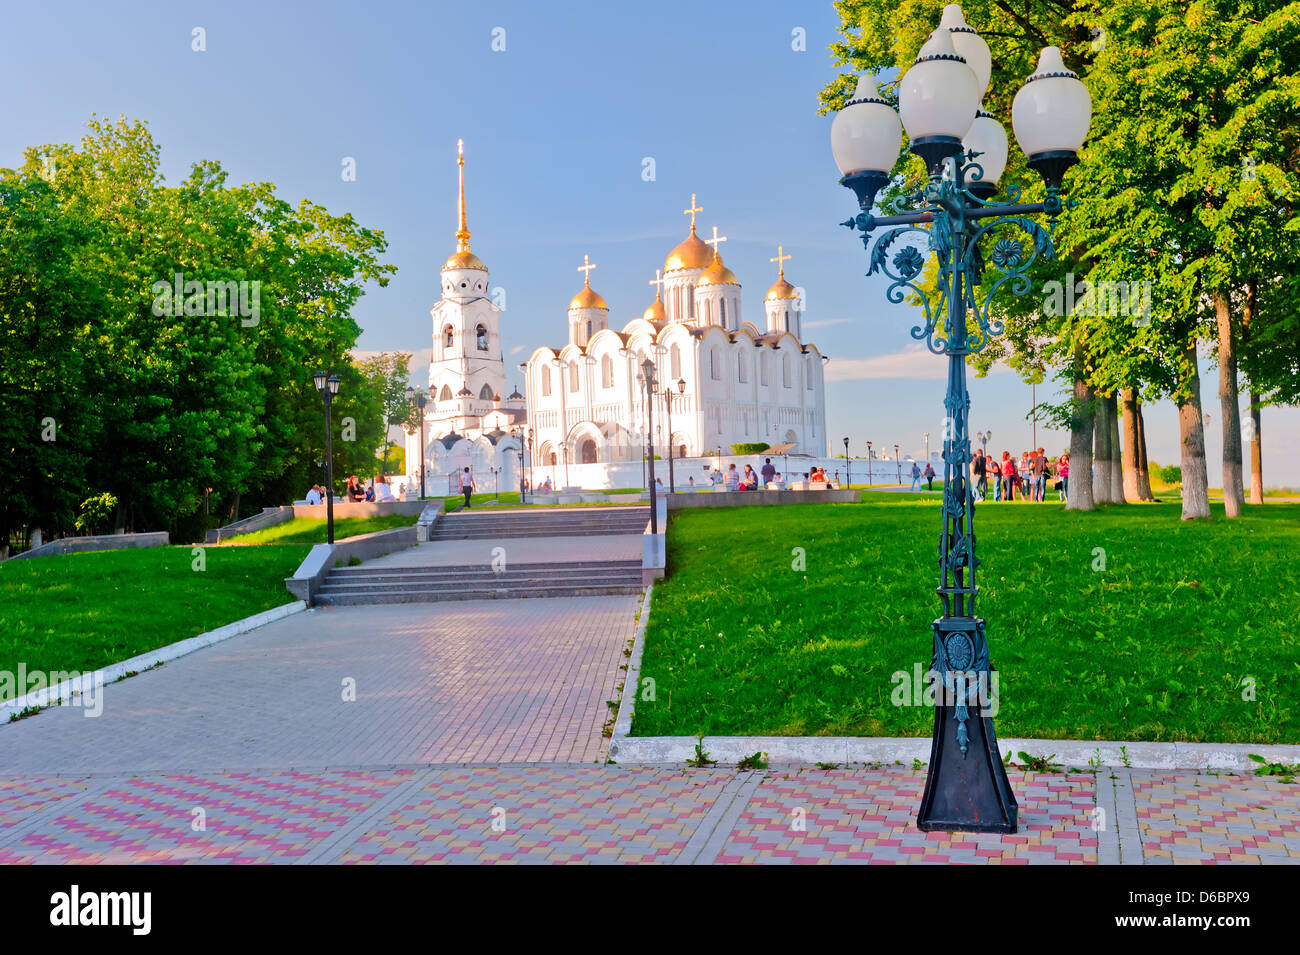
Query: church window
(718, 415)
(787, 319)
(808, 374)
(707, 318)
(606, 372)
(445, 394)
(675, 362)
(690, 303)
(742, 372)
(451, 336)
(588, 328)
(762, 369)
(573, 376)
(481, 334)
(546, 381)
(722, 312)
(486, 393)
(552, 457)
(785, 371)
(714, 371)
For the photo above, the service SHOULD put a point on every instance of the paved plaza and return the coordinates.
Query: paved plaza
(476, 735)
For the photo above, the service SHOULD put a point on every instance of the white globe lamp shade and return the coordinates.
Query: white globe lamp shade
(937, 100)
(866, 134)
(1051, 112)
(989, 139)
(969, 45)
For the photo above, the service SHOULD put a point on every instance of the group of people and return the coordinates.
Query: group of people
(356, 492)
(1025, 480)
(766, 477)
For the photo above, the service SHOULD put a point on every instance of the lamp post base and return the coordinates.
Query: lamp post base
(966, 785)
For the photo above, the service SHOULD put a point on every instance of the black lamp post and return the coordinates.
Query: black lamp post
(868, 464)
(496, 477)
(848, 465)
(668, 402)
(328, 388)
(898, 464)
(646, 377)
(519, 440)
(980, 245)
(421, 399)
(564, 452)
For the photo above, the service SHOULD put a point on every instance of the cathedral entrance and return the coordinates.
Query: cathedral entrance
(588, 451)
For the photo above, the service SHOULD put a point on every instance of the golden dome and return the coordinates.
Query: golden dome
(588, 298)
(655, 313)
(781, 289)
(691, 253)
(464, 260)
(717, 274)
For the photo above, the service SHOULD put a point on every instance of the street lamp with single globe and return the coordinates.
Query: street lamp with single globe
(668, 402)
(517, 434)
(420, 399)
(848, 465)
(868, 464)
(898, 464)
(328, 386)
(980, 245)
(646, 378)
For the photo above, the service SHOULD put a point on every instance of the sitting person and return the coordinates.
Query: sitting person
(750, 480)
(314, 495)
(778, 482)
(382, 491)
(370, 494)
(731, 480)
(355, 492)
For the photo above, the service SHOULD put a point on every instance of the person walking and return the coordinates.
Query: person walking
(979, 468)
(1039, 466)
(1008, 476)
(916, 476)
(1063, 476)
(768, 471)
(929, 476)
(466, 485)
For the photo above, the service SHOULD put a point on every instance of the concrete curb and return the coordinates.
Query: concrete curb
(64, 693)
(846, 750)
(623, 725)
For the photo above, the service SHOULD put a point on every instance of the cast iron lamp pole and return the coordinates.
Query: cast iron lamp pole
(966, 786)
(668, 403)
(868, 464)
(848, 465)
(519, 441)
(898, 464)
(646, 377)
(328, 388)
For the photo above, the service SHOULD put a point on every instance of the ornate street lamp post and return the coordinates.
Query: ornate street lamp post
(868, 464)
(421, 399)
(328, 388)
(646, 378)
(564, 452)
(848, 465)
(519, 441)
(668, 403)
(496, 477)
(966, 785)
(898, 464)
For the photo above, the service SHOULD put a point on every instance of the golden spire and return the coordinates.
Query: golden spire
(462, 234)
(691, 212)
(781, 259)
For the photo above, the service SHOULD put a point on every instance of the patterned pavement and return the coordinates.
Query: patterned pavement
(570, 813)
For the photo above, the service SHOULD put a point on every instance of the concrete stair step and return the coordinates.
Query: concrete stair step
(461, 570)
(484, 582)
(440, 596)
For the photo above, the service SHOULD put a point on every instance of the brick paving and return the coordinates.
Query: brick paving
(1218, 819)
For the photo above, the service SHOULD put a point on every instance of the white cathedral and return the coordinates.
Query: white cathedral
(584, 419)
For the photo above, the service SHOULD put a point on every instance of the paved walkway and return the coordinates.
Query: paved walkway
(478, 681)
(611, 814)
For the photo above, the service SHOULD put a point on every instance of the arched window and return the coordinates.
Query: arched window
(722, 312)
(481, 334)
(785, 371)
(606, 372)
(742, 370)
(690, 303)
(589, 329)
(546, 381)
(486, 393)
(573, 376)
(450, 337)
(707, 318)
(552, 457)
(714, 370)
(787, 319)
(808, 373)
(675, 362)
(445, 394)
(762, 368)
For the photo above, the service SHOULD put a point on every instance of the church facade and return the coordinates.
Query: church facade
(721, 378)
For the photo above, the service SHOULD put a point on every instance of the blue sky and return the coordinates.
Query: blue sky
(556, 127)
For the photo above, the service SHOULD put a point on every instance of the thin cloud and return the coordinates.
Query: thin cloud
(915, 361)
(517, 349)
(826, 321)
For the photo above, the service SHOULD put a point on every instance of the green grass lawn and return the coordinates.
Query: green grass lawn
(314, 530)
(82, 611)
(1153, 647)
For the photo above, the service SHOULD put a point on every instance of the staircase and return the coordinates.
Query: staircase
(360, 585)
(492, 524)
(434, 582)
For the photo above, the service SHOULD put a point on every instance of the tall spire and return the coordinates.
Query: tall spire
(462, 234)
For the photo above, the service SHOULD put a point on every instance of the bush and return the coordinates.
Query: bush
(96, 513)
(1171, 475)
(751, 447)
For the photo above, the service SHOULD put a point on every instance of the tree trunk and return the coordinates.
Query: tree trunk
(1131, 461)
(1191, 431)
(1102, 452)
(1082, 415)
(1144, 468)
(1256, 448)
(1228, 409)
(1117, 446)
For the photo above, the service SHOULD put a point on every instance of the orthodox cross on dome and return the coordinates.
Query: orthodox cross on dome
(462, 234)
(781, 259)
(658, 281)
(715, 240)
(692, 210)
(586, 268)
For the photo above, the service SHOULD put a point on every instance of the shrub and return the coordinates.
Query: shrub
(750, 447)
(95, 513)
